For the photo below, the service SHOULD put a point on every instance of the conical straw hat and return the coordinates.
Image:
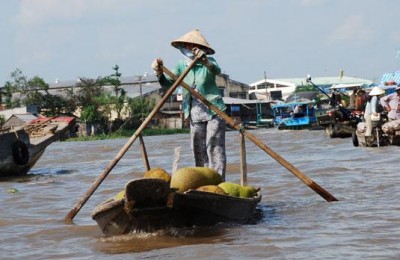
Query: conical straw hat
(376, 91)
(194, 37)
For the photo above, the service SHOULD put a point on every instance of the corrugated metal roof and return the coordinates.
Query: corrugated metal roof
(26, 117)
(124, 81)
(18, 120)
(133, 90)
(323, 81)
(238, 101)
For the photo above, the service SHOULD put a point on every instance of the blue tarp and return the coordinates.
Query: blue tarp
(395, 76)
(392, 76)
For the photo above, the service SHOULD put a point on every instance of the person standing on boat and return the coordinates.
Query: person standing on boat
(391, 103)
(371, 108)
(336, 98)
(206, 127)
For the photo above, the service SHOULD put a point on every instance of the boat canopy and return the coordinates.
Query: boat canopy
(348, 86)
(293, 104)
(240, 101)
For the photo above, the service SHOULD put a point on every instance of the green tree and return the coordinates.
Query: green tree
(17, 83)
(8, 93)
(19, 80)
(2, 120)
(91, 114)
(137, 109)
(88, 92)
(90, 98)
(119, 98)
(36, 93)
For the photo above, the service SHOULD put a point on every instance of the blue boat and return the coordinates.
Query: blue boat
(295, 115)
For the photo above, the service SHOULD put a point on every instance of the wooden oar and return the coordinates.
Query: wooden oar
(144, 153)
(175, 163)
(309, 182)
(72, 213)
(243, 161)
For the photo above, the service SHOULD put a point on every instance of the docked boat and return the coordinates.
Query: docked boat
(20, 149)
(342, 117)
(295, 115)
(150, 205)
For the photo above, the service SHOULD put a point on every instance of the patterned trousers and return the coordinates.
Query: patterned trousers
(208, 144)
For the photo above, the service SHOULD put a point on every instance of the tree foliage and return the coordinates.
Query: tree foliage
(138, 110)
(2, 120)
(89, 96)
(17, 83)
(119, 98)
(37, 94)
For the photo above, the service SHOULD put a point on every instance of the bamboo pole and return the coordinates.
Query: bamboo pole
(243, 161)
(144, 154)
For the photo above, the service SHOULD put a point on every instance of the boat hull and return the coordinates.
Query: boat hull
(8, 166)
(20, 150)
(191, 208)
(376, 140)
(336, 125)
(382, 134)
(13, 161)
(295, 116)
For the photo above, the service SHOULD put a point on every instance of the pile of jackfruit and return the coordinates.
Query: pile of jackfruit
(198, 178)
(202, 179)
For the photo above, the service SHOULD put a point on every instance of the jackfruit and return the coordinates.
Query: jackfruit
(193, 177)
(212, 189)
(120, 195)
(230, 188)
(247, 191)
(236, 190)
(158, 173)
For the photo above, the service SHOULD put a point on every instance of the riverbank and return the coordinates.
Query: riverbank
(128, 133)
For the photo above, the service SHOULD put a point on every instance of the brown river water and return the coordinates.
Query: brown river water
(291, 222)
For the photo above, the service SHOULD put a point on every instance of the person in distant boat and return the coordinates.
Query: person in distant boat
(371, 108)
(336, 98)
(297, 109)
(361, 98)
(206, 127)
(391, 103)
(352, 98)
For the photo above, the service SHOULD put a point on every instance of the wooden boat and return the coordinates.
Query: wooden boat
(20, 149)
(383, 133)
(295, 115)
(150, 204)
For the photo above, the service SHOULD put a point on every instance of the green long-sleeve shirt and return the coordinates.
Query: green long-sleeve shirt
(201, 78)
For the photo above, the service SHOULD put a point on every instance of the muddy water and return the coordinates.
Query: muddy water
(292, 221)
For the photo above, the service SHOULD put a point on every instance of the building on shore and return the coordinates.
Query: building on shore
(273, 89)
(247, 104)
(147, 87)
